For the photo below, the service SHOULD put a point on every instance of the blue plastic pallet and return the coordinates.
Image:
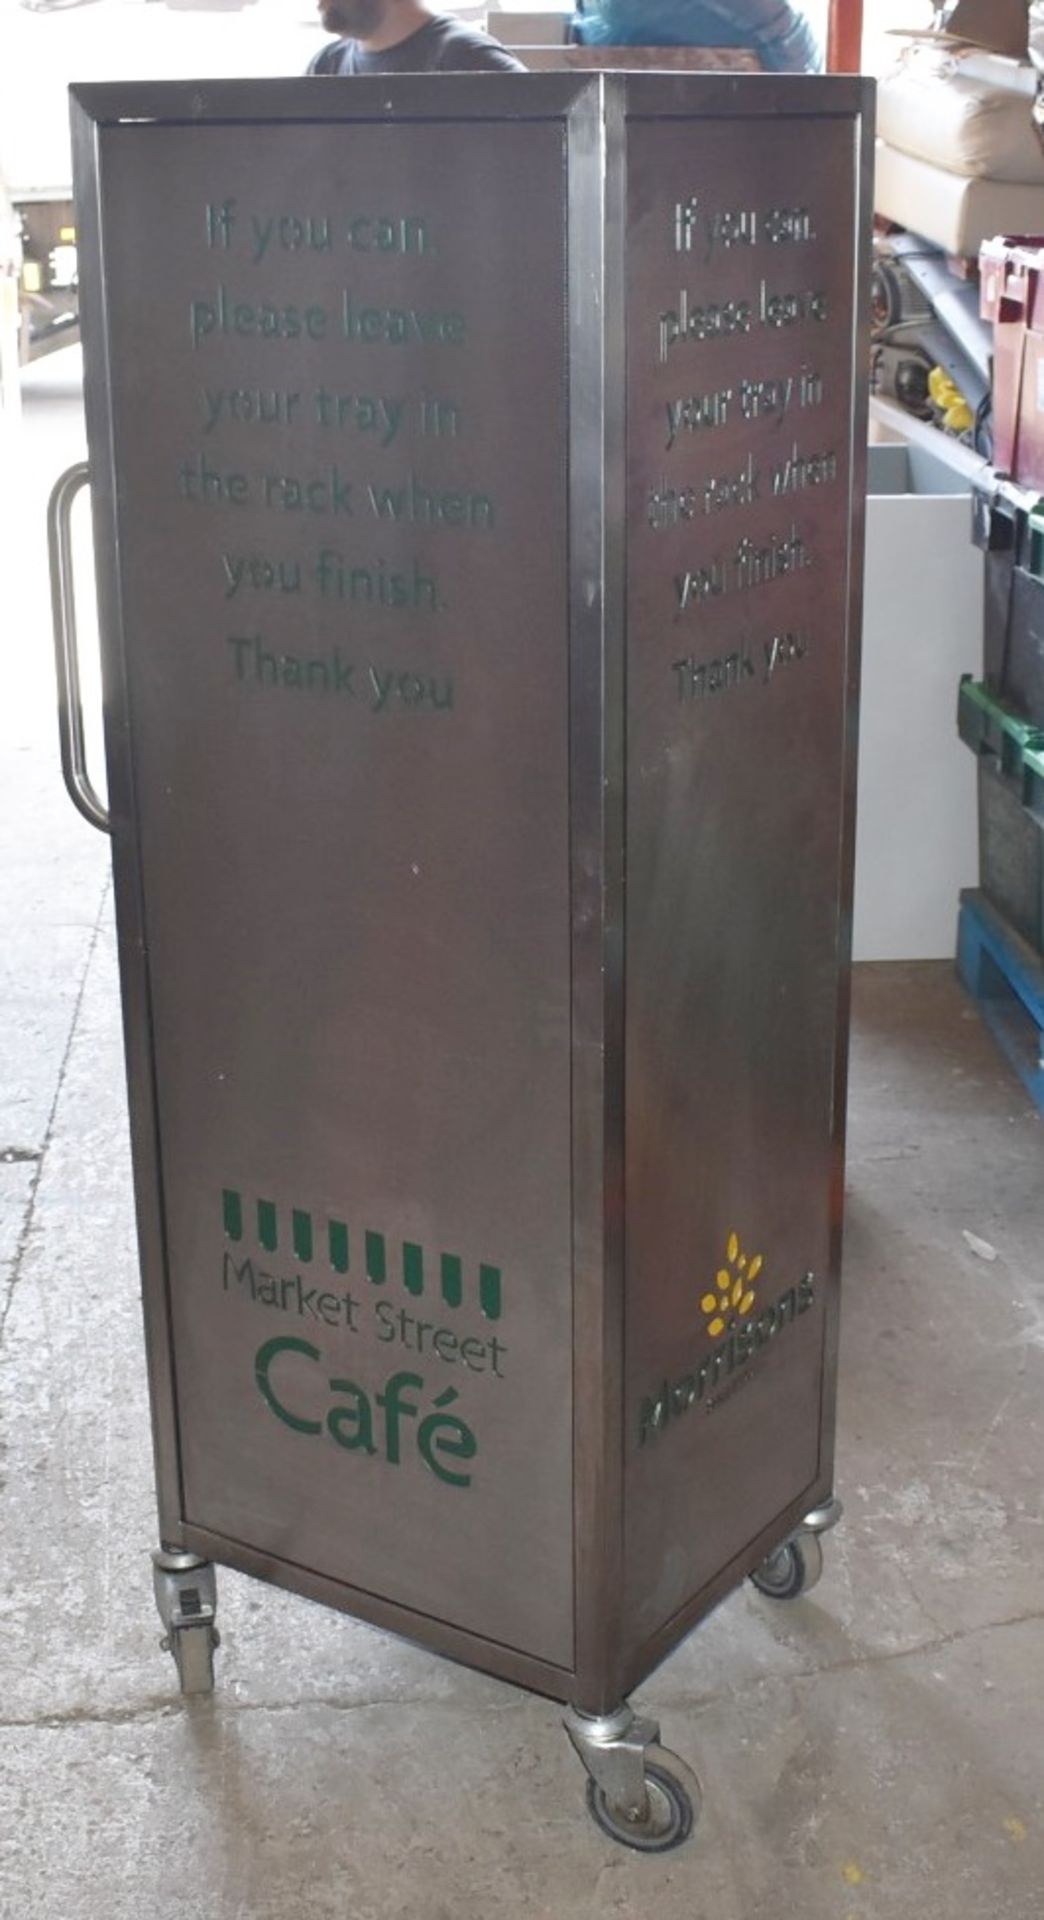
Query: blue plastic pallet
(1005, 977)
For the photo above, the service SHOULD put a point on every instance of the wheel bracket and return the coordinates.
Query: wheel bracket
(612, 1747)
(823, 1518)
(186, 1595)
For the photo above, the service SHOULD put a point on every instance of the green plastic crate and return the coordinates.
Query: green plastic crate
(1010, 754)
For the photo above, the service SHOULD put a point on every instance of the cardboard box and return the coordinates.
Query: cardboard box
(522, 27)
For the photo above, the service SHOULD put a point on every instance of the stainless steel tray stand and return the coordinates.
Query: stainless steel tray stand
(476, 470)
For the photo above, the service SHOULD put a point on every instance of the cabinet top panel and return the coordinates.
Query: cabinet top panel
(484, 96)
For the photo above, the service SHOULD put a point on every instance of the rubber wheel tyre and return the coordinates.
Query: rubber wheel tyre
(794, 1568)
(886, 298)
(671, 1817)
(193, 1650)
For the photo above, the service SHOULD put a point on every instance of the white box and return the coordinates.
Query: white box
(528, 27)
(917, 832)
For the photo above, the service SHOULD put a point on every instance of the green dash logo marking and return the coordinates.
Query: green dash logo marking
(334, 1243)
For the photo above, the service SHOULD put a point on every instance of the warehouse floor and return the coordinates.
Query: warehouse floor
(873, 1752)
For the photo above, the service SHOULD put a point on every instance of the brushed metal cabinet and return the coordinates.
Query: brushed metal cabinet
(477, 472)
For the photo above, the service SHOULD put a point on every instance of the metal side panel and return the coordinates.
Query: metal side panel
(337, 373)
(741, 334)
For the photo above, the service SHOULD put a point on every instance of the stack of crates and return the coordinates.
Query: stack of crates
(1001, 718)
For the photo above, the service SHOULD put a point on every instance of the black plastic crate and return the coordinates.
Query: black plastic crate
(1013, 604)
(1011, 852)
(1019, 670)
(997, 530)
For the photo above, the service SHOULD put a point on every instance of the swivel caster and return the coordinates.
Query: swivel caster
(637, 1793)
(186, 1595)
(796, 1566)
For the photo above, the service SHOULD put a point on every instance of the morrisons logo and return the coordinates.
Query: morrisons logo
(743, 1330)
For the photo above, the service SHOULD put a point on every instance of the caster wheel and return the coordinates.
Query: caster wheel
(671, 1811)
(794, 1568)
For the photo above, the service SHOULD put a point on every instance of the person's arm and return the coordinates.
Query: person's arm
(477, 53)
(782, 35)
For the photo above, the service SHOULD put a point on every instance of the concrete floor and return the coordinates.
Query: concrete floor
(871, 1753)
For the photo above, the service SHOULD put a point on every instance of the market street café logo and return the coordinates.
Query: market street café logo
(408, 1415)
(743, 1328)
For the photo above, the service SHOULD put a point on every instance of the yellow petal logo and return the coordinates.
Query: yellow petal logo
(734, 1286)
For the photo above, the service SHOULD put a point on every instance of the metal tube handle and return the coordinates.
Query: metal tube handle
(66, 656)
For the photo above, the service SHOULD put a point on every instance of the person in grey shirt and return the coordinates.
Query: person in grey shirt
(404, 36)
